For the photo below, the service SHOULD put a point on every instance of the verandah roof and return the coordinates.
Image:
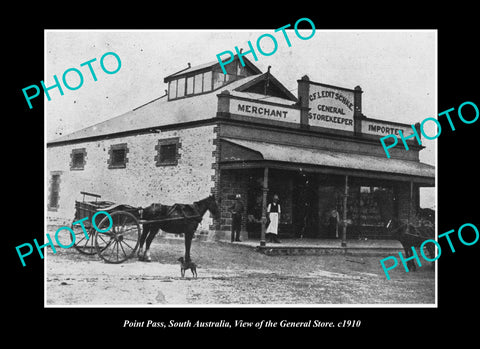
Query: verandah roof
(348, 162)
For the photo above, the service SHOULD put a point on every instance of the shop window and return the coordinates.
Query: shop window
(54, 192)
(167, 152)
(372, 206)
(364, 190)
(118, 156)
(78, 159)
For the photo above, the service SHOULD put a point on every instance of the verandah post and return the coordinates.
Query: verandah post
(344, 233)
(264, 206)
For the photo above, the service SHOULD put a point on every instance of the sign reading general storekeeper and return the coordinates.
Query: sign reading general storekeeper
(264, 111)
(330, 107)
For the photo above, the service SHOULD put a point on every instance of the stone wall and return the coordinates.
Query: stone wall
(142, 181)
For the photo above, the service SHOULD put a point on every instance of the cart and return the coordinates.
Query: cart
(115, 240)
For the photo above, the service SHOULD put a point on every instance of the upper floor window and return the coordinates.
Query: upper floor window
(180, 87)
(172, 89)
(198, 83)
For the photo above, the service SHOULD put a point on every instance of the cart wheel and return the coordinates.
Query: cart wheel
(82, 243)
(120, 242)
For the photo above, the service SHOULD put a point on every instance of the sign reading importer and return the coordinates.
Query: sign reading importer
(330, 107)
(378, 128)
(264, 111)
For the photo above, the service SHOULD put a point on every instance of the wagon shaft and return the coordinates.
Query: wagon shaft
(144, 221)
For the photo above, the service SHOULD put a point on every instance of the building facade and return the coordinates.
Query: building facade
(244, 133)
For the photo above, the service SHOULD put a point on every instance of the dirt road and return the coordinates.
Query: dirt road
(231, 274)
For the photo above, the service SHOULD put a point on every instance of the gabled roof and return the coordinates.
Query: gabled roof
(268, 85)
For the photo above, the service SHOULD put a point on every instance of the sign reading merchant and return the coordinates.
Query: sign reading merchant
(265, 111)
(330, 107)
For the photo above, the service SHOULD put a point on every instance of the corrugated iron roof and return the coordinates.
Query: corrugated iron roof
(161, 112)
(157, 113)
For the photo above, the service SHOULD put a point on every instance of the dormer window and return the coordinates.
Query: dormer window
(172, 89)
(206, 78)
(191, 85)
(180, 87)
(207, 81)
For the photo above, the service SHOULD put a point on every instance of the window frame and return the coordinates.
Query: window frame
(73, 165)
(51, 182)
(187, 85)
(181, 89)
(165, 142)
(111, 151)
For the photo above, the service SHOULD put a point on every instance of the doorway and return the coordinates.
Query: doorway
(305, 205)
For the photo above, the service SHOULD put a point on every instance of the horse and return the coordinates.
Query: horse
(409, 236)
(192, 216)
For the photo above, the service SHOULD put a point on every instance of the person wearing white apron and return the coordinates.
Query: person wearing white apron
(273, 211)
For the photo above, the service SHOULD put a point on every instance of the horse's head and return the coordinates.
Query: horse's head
(212, 206)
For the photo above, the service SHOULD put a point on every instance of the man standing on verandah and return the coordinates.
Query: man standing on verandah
(273, 211)
(237, 210)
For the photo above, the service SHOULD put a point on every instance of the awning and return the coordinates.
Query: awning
(239, 153)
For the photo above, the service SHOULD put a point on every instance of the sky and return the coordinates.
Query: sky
(397, 70)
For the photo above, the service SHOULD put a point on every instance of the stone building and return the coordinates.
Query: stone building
(245, 133)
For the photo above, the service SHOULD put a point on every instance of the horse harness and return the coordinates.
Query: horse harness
(177, 208)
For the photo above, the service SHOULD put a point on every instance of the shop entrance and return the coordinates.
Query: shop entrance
(305, 205)
(298, 193)
(312, 204)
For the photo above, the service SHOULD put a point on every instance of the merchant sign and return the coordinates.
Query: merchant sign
(265, 111)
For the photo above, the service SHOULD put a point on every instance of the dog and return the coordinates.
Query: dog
(184, 266)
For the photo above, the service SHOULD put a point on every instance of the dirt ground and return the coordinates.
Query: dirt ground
(231, 274)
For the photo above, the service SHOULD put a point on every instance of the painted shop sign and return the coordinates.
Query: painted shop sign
(382, 128)
(264, 111)
(330, 107)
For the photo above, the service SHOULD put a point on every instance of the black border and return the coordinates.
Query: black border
(457, 179)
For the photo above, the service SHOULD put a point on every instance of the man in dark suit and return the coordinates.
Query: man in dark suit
(237, 211)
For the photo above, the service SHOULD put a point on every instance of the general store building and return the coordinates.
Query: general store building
(245, 133)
